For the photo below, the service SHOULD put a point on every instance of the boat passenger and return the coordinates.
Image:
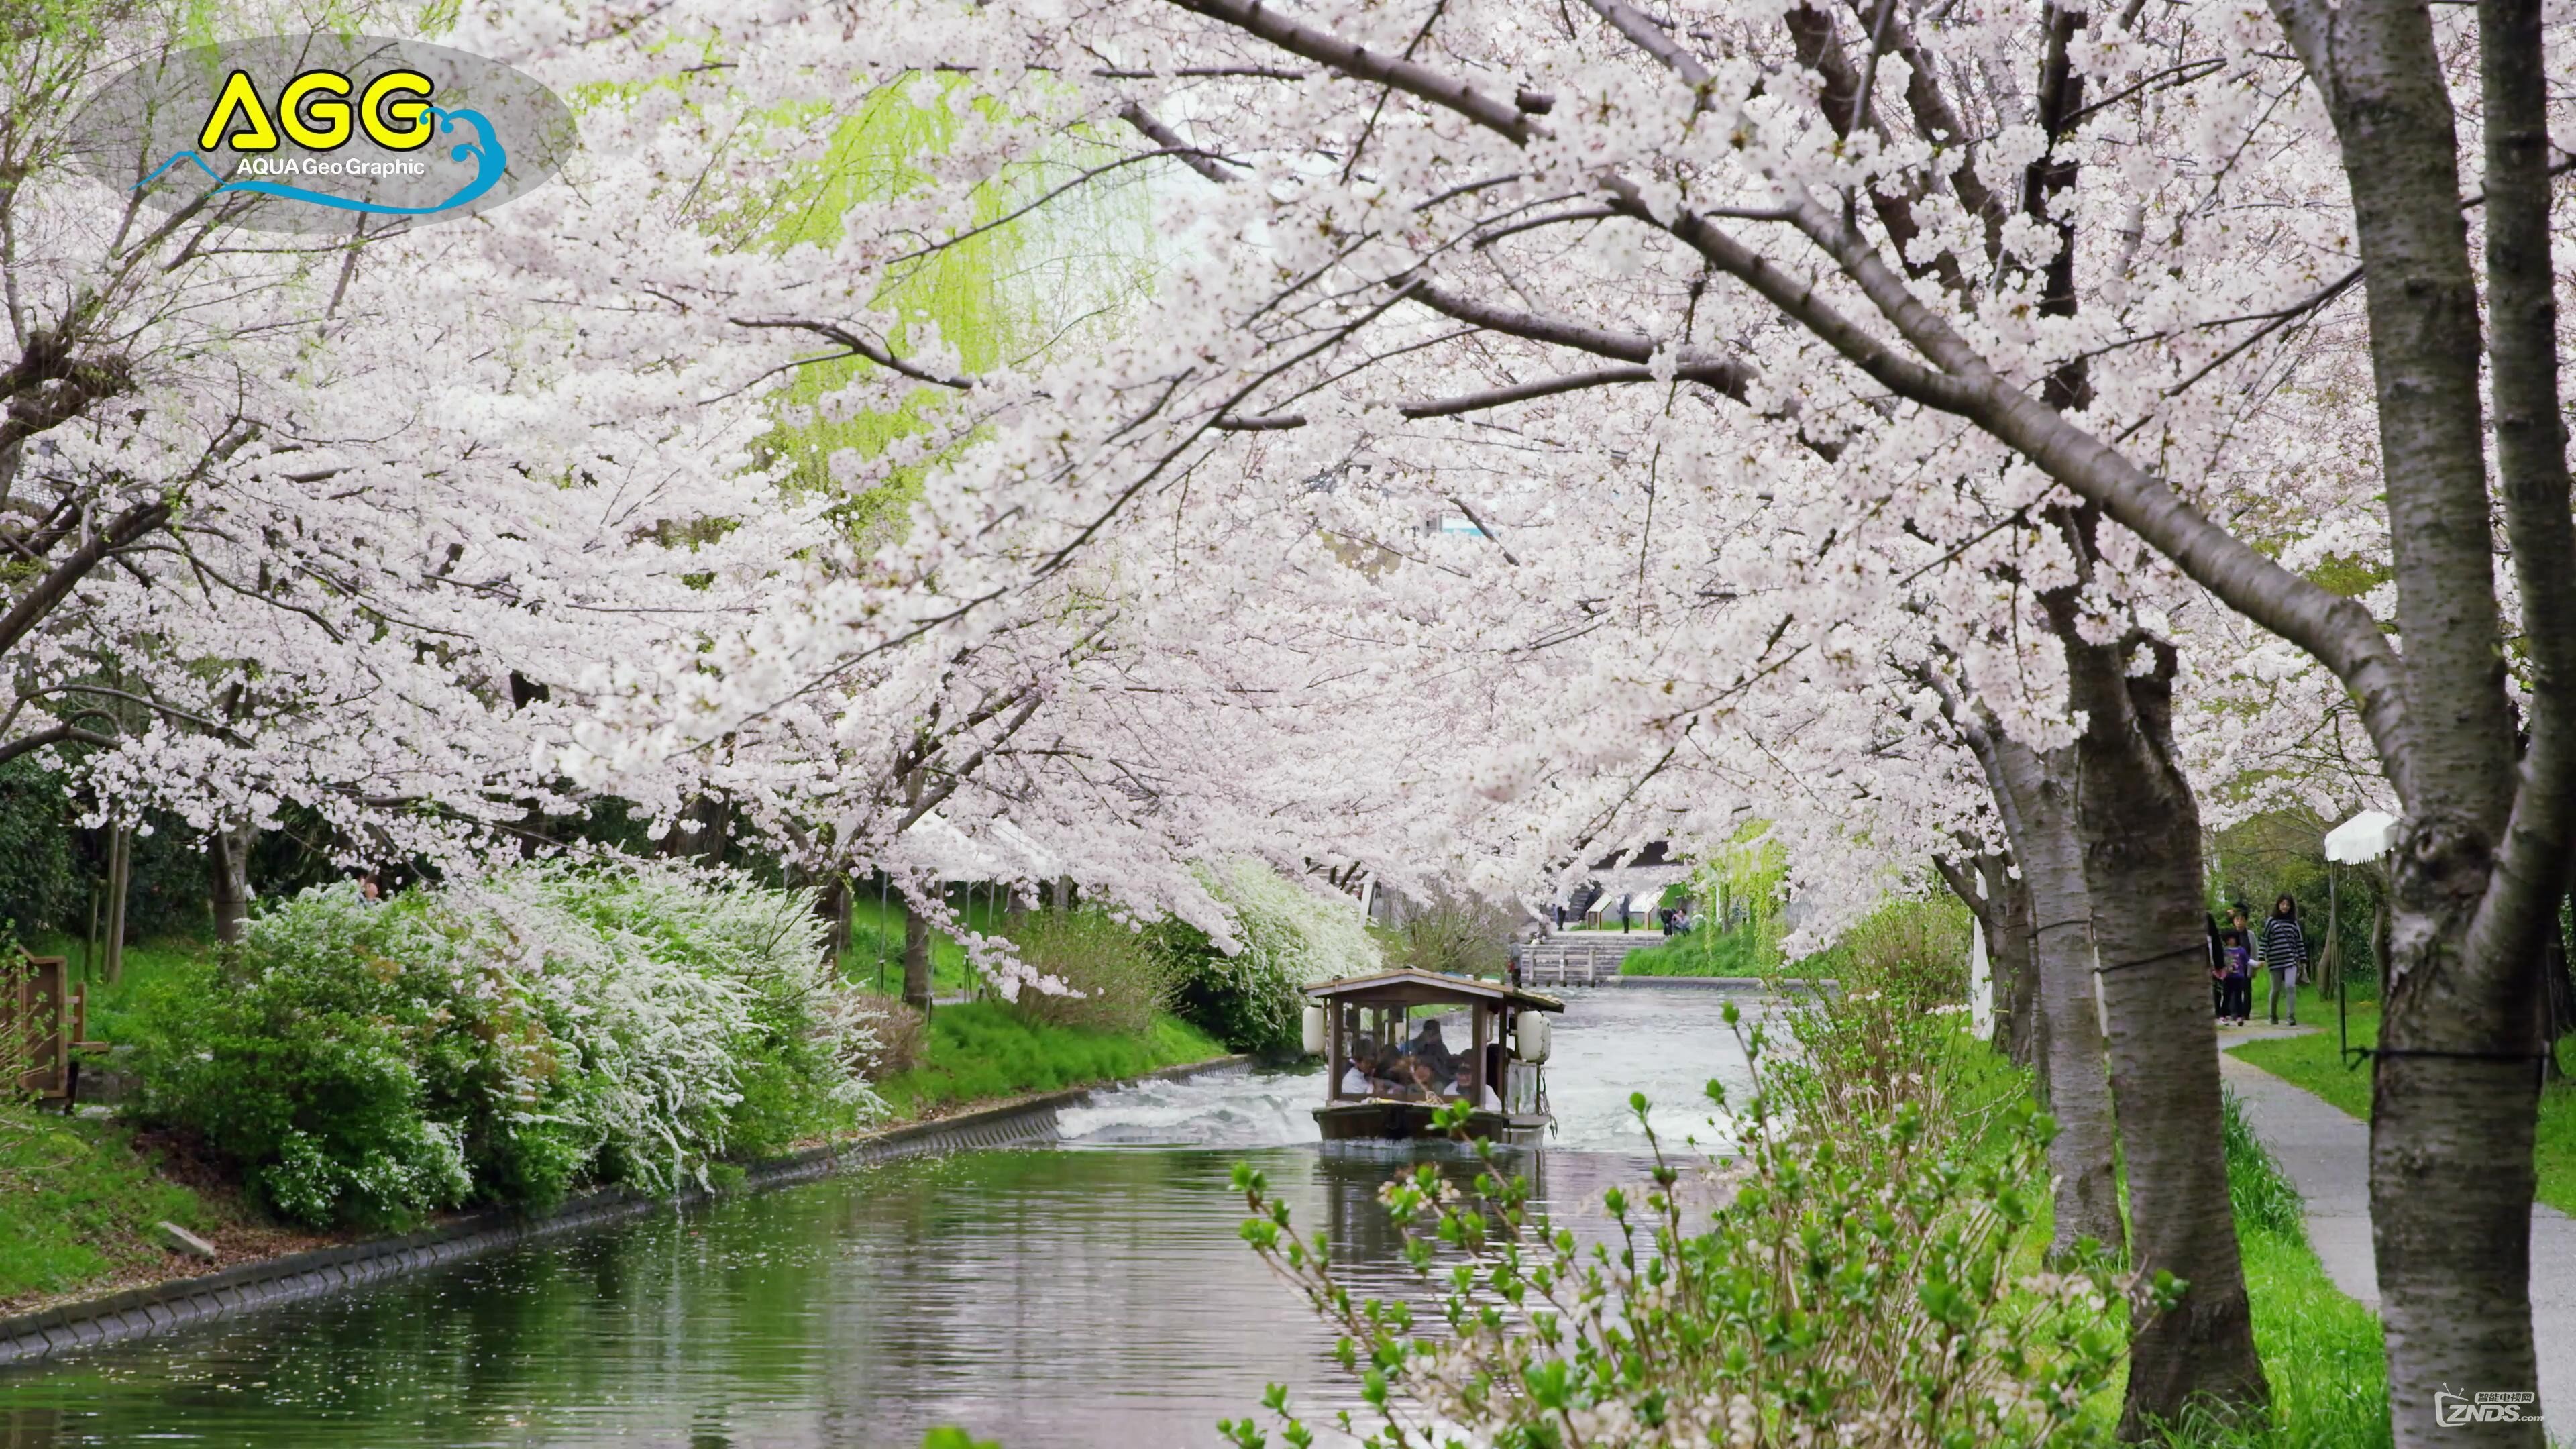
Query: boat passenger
(1355, 1077)
(1429, 1048)
(1394, 1076)
(1464, 1081)
(1425, 1086)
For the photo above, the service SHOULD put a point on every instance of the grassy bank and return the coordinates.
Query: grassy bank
(2312, 1063)
(77, 1204)
(79, 1197)
(875, 952)
(1701, 953)
(984, 1050)
(2321, 1350)
(111, 1002)
(1720, 953)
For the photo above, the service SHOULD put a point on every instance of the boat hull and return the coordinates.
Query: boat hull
(1400, 1121)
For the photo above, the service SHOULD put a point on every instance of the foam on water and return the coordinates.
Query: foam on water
(1239, 1107)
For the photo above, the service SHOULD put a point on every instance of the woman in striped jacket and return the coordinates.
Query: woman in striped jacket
(2285, 955)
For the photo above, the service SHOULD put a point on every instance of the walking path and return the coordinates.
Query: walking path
(2327, 1155)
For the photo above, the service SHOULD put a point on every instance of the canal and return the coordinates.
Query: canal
(1089, 1295)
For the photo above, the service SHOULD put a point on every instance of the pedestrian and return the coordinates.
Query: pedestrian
(2217, 968)
(2285, 955)
(2236, 955)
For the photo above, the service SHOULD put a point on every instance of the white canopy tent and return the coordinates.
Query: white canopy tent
(2358, 841)
(2362, 839)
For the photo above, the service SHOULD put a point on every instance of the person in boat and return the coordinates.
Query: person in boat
(1465, 1081)
(1355, 1077)
(1396, 1078)
(1430, 1050)
(1425, 1086)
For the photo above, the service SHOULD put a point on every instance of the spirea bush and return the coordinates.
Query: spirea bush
(1289, 936)
(1118, 981)
(506, 1040)
(1863, 1284)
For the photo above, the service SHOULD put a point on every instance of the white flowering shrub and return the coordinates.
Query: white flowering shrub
(1286, 937)
(1861, 1285)
(1290, 931)
(507, 1040)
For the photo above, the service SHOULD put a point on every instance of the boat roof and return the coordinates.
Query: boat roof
(1409, 987)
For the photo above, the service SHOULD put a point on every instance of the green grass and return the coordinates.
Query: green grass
(1708, 952)
(110, 1003)
(876, 939)
(2312, 1061)
(77, 1202)
(2321, 1351)
(876, 944)
(985, 1049)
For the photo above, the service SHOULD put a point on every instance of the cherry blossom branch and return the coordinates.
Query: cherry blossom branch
(1204, 162)
(39, 601)
(1717, 375)
(1420, 81)
(859, 346)
(58, 735)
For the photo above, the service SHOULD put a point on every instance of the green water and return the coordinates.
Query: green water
(1089, 1297)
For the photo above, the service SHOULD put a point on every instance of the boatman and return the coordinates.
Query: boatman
(1428, 1048)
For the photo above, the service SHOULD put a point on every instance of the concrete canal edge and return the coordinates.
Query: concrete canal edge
(248, 1287)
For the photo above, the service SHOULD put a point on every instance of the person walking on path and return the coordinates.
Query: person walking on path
(2236, 959)
(2285, 955)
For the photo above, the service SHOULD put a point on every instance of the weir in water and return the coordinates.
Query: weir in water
(1090, 1294)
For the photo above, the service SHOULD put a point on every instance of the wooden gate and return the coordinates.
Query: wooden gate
(35, 1025)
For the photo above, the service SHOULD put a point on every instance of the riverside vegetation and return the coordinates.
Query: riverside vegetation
(1873, 1277)
(357, 1066)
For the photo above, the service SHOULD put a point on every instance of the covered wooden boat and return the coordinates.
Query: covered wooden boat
(1390, 1063)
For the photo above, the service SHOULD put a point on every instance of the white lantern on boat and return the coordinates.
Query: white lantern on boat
(1529, 1037)
(1311, 1034)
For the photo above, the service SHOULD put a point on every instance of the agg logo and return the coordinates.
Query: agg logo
(2491, 1406)
(315, 133)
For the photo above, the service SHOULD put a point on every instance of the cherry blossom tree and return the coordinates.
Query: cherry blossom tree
(2019, 286)
(316, 520)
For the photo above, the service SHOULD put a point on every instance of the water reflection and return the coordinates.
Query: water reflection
(1093, 1295)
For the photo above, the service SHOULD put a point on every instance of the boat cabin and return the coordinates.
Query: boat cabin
(1400, 1044)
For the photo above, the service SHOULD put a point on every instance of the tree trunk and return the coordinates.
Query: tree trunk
(916, 957)
(2455, 1082)
(228, 863)
(120, 876)
(699, 833)
(2079, 1095)
(2451, 1172)
(1985, 884)
(2017, 1021)
(2140, 826)
(832, 903)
